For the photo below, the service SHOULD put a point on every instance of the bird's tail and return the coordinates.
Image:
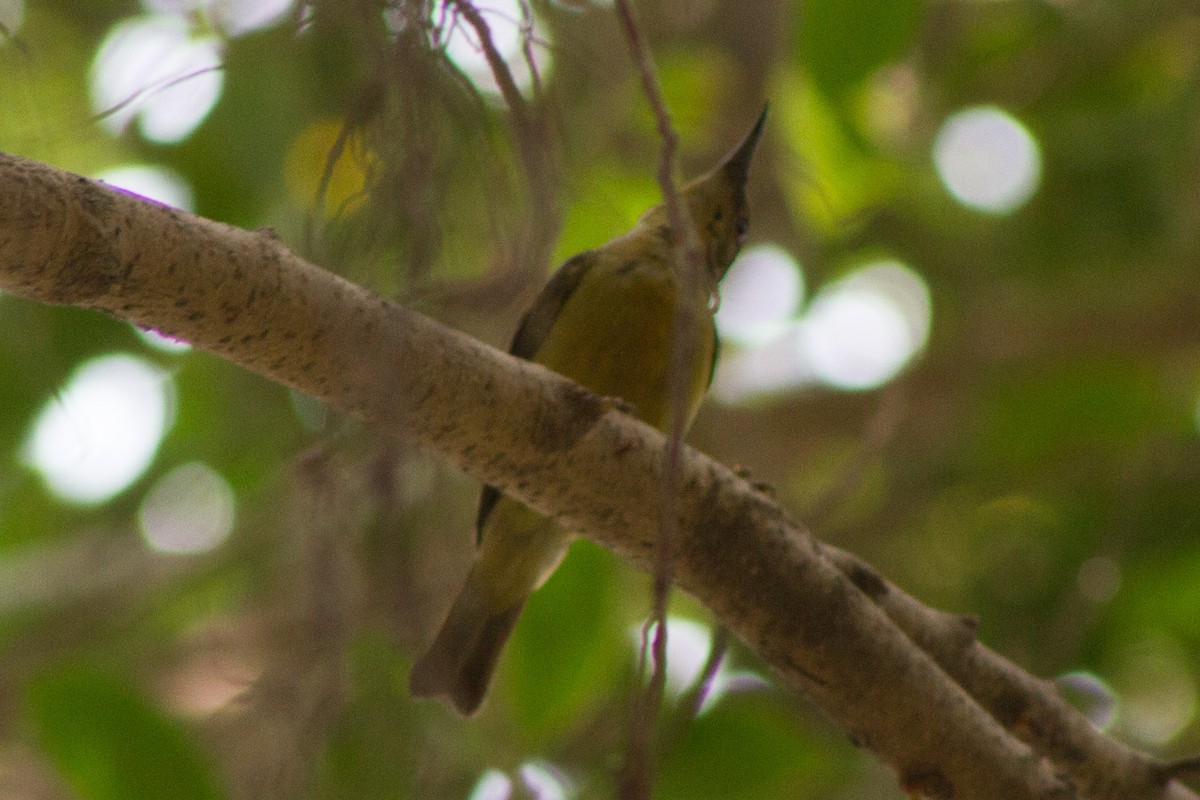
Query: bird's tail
(463, 656)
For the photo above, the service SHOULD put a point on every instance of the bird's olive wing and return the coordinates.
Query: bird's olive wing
(540, 318)
(534, 328)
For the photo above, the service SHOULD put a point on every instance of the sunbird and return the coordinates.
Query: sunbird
(606, 319)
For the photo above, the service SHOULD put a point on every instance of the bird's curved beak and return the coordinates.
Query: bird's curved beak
(737, 163)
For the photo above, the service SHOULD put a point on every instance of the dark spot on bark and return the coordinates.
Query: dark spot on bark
(1009, 707)
(928, 783)
(561, 424)
(804, 673)
(869, 581)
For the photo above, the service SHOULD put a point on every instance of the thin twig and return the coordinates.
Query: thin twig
(693, 700)
(529, 130)
(527, 41)
(149, 91)
(637, 780)
(504, 79)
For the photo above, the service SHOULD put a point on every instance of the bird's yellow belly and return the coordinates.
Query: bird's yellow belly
(615, 336)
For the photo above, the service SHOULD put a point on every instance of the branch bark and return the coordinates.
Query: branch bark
(907, 684)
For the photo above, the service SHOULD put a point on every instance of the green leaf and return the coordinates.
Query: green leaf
(111, 744)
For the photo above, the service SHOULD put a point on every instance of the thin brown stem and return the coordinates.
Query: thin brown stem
(687, 256)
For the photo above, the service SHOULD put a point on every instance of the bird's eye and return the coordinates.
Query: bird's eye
(718, 215)
(743, 227)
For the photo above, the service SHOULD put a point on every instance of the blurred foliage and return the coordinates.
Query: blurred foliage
(1043, 474)
(109, 743)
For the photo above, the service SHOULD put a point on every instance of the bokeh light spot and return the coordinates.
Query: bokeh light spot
(759, 295)
(159, 184)
(774, 366)
(1099, 579)
(153, 69)
(504, 20)
(1157, 690)
(101, 430)
(12, 14)
(857, 333)
(212, 676)
(243, 16)
(189, 510)
(233, 17)
(855, 339)
(862, 330)
(1093, 697)
(987, 159)
(688, 646)
(161, 341)
(492, 785)
(545, 781)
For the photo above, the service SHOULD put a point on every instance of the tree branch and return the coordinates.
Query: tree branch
(905, 683)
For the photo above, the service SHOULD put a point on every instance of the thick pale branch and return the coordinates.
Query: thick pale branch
(560, 449)
(1101, 768)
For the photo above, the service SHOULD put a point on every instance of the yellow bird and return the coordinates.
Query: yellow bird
(605, 319)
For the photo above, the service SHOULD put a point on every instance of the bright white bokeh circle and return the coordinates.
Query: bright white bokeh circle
(854, 340)
(503, 18)
(492, 785)
(857, 333)
(233, 17)
(987, 159)
(100, 432)
(161, 341)
(689, 644)
(545, 781)
(155, 69)
(862, 330)
(159, 184)
(759, 295)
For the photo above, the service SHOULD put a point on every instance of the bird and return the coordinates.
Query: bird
(606, 319)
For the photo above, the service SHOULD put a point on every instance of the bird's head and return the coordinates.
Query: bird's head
(717, 201)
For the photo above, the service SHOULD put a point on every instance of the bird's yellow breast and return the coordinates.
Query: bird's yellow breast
(615, 336)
